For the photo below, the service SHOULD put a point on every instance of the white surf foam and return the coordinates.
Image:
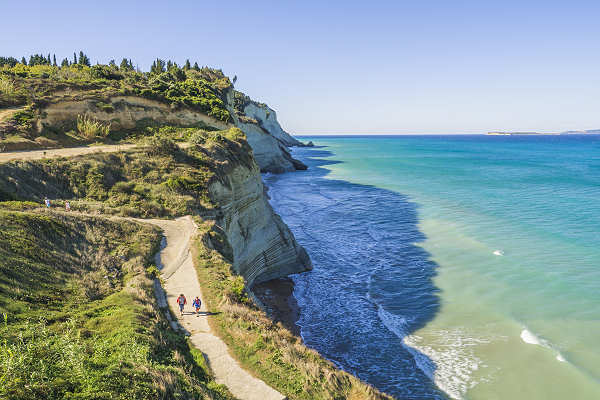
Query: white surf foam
(447, 356)
(528, 337)
(498, 252)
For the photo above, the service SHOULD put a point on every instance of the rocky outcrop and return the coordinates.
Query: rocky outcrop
(268, 141)
(263, 246)
(267, 120)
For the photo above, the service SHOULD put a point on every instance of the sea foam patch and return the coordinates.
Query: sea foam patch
(530, 338)
(445, 356)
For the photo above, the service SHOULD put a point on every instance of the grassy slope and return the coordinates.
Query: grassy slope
(80, 318)
(161, 181)
(165, 181)
(30, 89)
(267, 349)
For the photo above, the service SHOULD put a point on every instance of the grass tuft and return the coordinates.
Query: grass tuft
(91, 128)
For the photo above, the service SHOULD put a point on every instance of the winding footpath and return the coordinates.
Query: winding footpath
(63, 152)
(179, 276)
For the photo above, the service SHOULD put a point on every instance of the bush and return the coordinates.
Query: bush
(161, 146)
(198, 137)
(90, 128)
(152, 272)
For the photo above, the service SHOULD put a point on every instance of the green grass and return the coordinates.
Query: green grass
(158, 181)
(79, 316)
(266, 348)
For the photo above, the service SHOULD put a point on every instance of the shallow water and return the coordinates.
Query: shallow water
(464, 265)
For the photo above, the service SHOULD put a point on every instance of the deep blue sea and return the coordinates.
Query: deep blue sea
(463, 267)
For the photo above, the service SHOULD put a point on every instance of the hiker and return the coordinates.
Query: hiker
(47, 202)
(197, 303)
(182, 302)
(67, 206)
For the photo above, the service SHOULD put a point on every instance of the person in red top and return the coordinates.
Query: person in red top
(182, 302)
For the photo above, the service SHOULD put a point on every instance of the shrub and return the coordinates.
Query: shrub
(198, 137)
(90, 128)
(152, 272)
(23, 118)
(161, 146)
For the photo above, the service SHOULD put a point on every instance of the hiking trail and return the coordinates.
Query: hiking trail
(179, 276)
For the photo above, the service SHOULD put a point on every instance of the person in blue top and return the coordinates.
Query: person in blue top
(196, 304)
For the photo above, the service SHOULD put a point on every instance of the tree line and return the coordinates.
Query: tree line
(158, 66)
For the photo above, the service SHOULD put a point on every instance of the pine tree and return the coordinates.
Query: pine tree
(169, 65)
(83, 59)
(74, 58)
(23, 61)
(54, 60)
(64, 63)
(158, 66)
(196, 67)
(124, 66)
(187, 65)
(234, 79)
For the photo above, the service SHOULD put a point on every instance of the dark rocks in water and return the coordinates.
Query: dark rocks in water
(299, 165)
(309, 144)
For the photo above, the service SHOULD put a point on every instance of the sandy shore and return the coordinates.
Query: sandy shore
(278, 296)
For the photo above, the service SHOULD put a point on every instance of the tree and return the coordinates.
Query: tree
(196, 67)
(38, 59)
(83, 59)
(74, 58)
(234, 79)
(64, 63)
(23, 61)
(124, 66)
(112, 63)
(187, 65)
(10, 61)
(54, 59)
(158, 66)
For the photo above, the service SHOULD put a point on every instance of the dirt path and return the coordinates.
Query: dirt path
(65, 152)
(179, 275)
(7, 112)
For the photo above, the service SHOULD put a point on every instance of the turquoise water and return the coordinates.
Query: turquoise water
(459, 266)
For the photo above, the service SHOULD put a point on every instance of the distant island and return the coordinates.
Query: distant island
(582, 132)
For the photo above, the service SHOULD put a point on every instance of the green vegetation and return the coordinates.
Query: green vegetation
(203, 89)
(79, 318)
(81, 321)
(159, 180)
(267, 348)
(35, 85)
(89, 128)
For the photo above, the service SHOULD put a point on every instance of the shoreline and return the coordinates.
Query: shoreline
(278, 297)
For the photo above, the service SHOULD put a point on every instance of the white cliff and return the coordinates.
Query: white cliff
(263, 246)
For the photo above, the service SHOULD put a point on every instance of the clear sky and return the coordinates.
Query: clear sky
(353, 67)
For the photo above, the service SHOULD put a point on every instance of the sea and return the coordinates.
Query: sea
(451, 266)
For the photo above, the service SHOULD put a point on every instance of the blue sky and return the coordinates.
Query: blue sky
(353, 67)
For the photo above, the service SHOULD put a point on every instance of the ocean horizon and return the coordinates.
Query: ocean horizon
(451, 266)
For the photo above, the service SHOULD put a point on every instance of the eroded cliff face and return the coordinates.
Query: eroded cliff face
(269, 146)
(263, 246)
(125, 112)
(267, 119)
